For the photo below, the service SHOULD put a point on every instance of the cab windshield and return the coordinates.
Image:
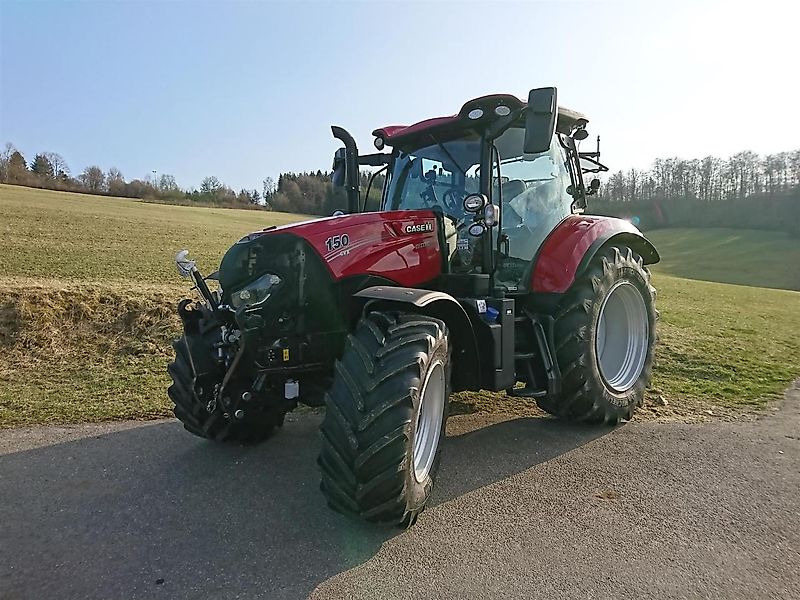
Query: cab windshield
(531, 189)
(438, 175)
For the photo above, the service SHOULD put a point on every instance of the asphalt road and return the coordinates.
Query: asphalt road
(528, 508)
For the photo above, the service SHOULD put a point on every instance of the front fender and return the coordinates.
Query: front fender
(442, 306)
(570, 247)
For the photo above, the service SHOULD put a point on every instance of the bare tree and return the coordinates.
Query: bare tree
(93, 179)
(167, 183)
(115, 182)
(268, 187)
(60, 168)
(210, 185)
(5, 161)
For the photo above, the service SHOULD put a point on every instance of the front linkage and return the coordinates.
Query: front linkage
(216, 394)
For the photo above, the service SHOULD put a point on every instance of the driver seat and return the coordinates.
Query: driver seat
(510, 190)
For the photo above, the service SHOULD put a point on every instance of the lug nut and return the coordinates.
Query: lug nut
(247, 396)
(239, 414)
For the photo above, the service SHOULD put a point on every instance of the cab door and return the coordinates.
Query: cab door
(534, 199)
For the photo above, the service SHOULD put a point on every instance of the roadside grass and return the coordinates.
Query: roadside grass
(76, 352)
(88, 290)
(94, 352)
(733, 344)
(745, 257)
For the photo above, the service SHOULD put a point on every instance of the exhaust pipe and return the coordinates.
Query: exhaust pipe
(351, 168)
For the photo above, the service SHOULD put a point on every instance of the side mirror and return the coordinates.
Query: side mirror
(540, 120)
(594, 185)
(339, 168)
(580, 135)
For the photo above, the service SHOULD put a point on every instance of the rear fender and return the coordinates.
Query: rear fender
(466, 366)
(571, 246)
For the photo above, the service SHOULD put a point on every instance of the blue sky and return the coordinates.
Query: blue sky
(245, 90)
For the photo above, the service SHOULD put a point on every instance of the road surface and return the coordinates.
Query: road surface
(527, 508)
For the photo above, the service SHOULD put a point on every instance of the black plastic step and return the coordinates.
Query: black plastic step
(526, 393)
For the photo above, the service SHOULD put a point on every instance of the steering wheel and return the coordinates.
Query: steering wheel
(452, 202)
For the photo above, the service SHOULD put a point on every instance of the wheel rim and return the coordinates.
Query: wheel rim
(623, 335)
(429, 421)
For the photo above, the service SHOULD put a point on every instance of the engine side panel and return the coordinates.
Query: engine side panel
(563, 252)
(401, 246)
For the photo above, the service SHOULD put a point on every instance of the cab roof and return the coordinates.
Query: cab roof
(394, 135)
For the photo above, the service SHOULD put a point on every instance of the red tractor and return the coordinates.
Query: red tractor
(479, 272)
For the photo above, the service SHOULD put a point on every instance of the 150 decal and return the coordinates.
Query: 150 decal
(335, 242)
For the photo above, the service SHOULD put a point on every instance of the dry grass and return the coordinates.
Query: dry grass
(74, 352)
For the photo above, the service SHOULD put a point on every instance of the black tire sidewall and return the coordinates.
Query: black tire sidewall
(419, 492)
(623, 402)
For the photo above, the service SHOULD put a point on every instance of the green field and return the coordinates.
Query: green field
(93, 238)
(744, 257)
(88, 288)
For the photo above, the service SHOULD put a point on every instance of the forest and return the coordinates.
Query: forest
(744, 191)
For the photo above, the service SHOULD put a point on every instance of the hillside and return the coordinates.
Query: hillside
(88, 290)
(741, 256)
(63, 235)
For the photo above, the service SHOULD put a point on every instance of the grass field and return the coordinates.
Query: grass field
(757, 258)
(88, 288)
(79, 237)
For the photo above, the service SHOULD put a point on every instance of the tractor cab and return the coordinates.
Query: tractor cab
(531, 191)
(501, 175)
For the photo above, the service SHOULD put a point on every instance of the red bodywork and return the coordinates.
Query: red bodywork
(402, 246)
(393, 134)
(563, 250)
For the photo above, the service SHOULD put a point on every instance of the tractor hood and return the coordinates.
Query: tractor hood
(402, 247)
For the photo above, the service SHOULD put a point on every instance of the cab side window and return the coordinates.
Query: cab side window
(534, 195)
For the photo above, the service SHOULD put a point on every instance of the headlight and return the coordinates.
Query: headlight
(255, 293)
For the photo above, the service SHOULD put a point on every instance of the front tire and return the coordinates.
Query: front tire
(385, 418)
(604, 337)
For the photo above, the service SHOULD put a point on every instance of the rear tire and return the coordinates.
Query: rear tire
(604, 337)
(385, 418)
(195, 371)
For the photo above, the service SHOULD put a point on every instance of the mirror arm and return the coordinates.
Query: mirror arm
(378, 159)
(592, 157)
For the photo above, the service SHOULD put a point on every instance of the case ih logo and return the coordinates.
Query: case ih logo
(425, 227)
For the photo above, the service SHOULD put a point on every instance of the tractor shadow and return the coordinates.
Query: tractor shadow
(491, 453)
(154, 512)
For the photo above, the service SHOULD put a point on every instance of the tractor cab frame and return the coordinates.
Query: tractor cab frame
(466, 156)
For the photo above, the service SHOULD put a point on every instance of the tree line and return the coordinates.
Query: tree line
(311, 193)
(745, 190)
(49, 170)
